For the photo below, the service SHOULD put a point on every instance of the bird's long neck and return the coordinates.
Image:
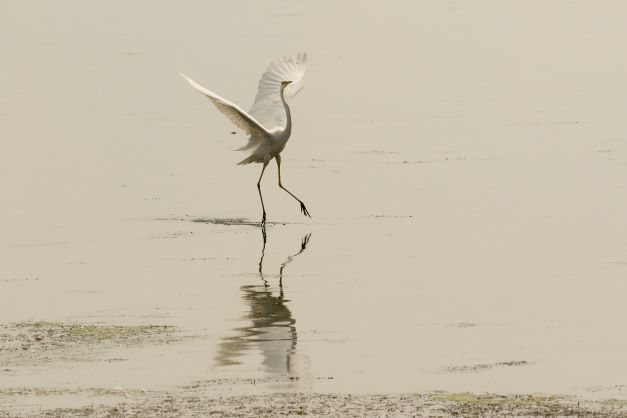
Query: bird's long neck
(288, 115)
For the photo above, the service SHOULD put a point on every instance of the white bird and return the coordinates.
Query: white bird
(269, 121)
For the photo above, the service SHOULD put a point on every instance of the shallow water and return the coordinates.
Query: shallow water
(465, 167)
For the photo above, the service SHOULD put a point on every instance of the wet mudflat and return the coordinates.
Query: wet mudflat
(35, 343)
(200, 404)
(468, 241)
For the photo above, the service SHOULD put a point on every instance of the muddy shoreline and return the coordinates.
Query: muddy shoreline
(112, 403)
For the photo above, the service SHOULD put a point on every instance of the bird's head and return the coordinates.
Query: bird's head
(284, 84)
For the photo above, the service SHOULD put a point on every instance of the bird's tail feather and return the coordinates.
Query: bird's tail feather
(252, 159)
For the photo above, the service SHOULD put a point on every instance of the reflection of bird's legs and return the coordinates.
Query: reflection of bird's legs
(303, 209)
(303, 243)
(263, 208)
(263, 234)
(303, 246)
(263, 251)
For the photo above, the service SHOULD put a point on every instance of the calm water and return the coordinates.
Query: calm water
(465, 168)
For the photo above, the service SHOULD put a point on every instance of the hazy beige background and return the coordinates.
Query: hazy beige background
(465, 164)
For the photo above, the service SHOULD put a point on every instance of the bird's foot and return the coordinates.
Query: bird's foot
(304, 210)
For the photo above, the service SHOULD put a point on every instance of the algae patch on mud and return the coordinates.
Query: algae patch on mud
(470, 404)
(27, 343)
(439, 404)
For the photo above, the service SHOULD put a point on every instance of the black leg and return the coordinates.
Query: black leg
(303, 209)
(263, 208)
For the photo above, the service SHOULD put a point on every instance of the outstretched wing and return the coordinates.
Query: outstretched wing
(241, 119)
(267, 108)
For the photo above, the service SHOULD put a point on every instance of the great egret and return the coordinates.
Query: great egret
(269, 121)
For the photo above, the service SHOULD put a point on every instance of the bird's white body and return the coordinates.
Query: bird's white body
(273, 142)
(269, 121)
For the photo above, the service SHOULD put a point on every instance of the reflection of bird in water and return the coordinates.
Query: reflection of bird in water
(269, 121)
(272, 329)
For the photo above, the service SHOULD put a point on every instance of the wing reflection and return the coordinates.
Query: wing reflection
(272, 329)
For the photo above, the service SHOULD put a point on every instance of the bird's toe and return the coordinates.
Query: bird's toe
(304, 210)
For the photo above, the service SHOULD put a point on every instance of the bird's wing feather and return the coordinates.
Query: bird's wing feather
(240, 118)
(267, 108)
